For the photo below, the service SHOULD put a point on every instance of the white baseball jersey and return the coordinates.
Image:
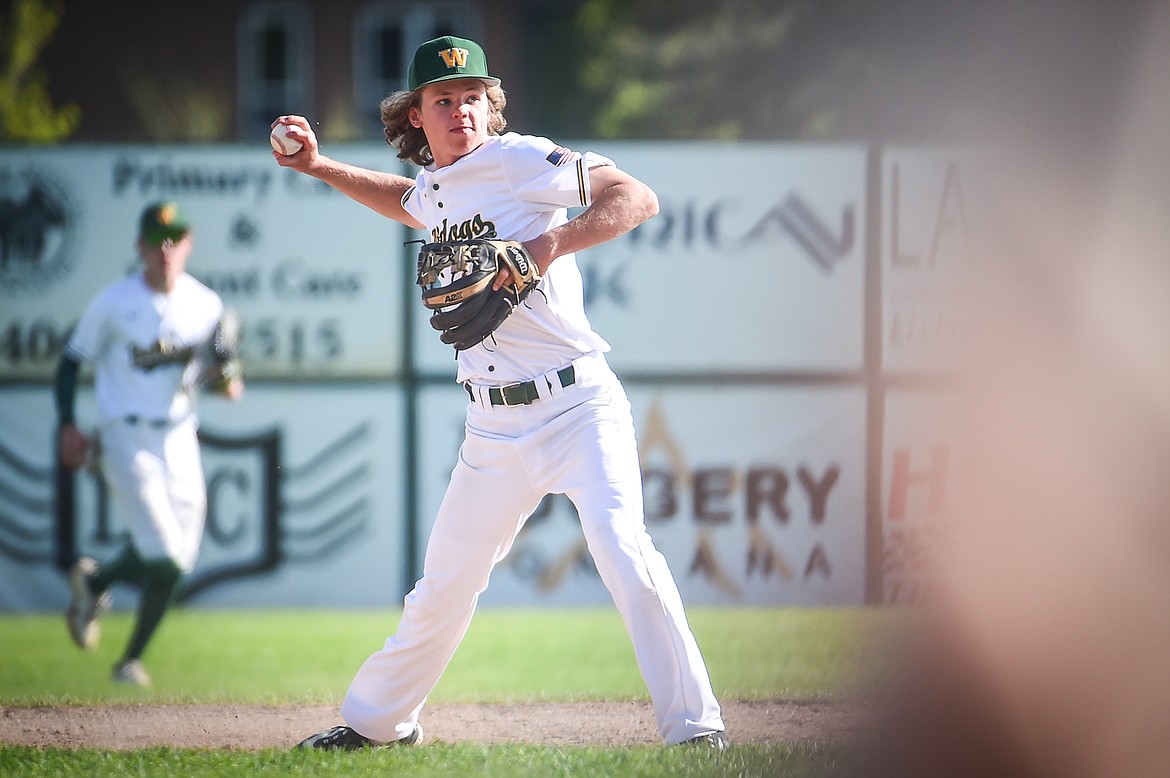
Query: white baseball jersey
(516, 187)
(143, 345)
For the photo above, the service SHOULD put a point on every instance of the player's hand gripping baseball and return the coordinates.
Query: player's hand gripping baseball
(297, 128)
(73, 446)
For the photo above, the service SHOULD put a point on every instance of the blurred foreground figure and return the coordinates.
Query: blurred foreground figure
(1045, 651)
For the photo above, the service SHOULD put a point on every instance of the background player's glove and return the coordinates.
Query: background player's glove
(456, 279)
(226, 366)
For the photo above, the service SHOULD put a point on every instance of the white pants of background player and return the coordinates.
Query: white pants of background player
(155, 478)
(578, 441)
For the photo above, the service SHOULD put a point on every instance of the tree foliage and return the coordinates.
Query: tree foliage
(730, 70)
(896, 70)
(27, 114)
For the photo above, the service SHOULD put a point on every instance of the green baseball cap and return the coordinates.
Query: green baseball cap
(447, 58)
(162, 221)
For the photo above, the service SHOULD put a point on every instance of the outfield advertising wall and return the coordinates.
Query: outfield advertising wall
(937, 206)
(759, 323)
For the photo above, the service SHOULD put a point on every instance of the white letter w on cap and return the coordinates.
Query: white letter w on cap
(455, 58)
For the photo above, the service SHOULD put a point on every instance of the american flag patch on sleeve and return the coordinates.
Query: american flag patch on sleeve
(560, 155)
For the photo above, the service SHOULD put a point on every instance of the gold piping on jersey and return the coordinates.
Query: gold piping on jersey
(581, 179)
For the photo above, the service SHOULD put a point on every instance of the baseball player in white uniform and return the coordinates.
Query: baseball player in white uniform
(149, 337)
(545, 413)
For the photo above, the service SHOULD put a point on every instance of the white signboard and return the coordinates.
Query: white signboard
(755, 495)
(316, 278)
(304, 501)
(755, 262)
(935, 226)
(921, 462)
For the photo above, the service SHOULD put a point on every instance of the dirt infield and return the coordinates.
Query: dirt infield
(248, 728)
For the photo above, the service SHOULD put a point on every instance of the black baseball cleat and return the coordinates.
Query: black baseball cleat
(345, 738)
(716, 741)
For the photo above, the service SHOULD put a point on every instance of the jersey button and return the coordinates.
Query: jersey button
(440, 205)
(435, 187)
(491, 368)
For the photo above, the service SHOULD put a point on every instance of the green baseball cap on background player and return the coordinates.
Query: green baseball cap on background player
(163, 221)
(447, 58)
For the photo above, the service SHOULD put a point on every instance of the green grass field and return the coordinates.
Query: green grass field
(277, 657)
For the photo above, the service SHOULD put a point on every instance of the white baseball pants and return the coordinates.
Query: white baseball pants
(578, 441)
(155, 478)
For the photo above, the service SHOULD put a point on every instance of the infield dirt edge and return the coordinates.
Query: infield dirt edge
(257, 727)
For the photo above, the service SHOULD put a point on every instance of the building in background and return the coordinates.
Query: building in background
(221, 71)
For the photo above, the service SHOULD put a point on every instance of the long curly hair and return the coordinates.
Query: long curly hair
(411, 141)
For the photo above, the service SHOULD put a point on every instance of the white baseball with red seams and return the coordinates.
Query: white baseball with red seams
(577, 439)
(281, 142)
